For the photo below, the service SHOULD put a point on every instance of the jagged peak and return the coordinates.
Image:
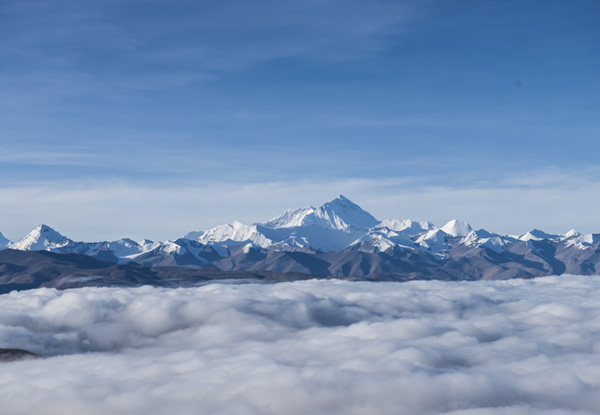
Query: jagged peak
(406, 226)
(341, 200)
(47, 232)
(457, 228)
(342, 212)
(42, 237)
(339, 213)
(571, 233)
(127, 241)
(234, 234)
(290, 218)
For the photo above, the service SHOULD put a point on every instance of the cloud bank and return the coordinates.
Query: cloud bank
(107, 210)
(312, 347)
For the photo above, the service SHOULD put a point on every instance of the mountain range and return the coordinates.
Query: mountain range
(338, 239)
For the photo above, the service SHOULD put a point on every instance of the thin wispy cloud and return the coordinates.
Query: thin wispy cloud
(209, 38)
(108, 210)
(16, 156)
(157, 95)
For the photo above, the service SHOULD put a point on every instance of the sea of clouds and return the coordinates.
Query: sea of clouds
(313, 347)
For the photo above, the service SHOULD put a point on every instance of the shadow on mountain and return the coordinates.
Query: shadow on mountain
(14, 355)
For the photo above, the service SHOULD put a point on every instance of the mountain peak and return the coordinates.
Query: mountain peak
(537, 235)
(290, 218)
(457, 228)
(43, 228)
(42, 238)
(339, 214)
(340, 200)
(342, 212)
(572, 233)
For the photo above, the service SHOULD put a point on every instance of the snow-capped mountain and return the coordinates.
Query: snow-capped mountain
(340, 213)
(537, 235)
(44, 238)
(436, 241)
(339, 238)
(235, 233)
(332, 226)
(575, 239)
(457, 228)
(489, 240)
(406, 226)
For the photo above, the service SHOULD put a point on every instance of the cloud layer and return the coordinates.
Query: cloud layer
(108, 210)
(313, 347)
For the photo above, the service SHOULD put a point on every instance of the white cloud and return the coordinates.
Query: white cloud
(105, 210)
(314, 347)
(98, 210)
(252, 34)
(63, 157)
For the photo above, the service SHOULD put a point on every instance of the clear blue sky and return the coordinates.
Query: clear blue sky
(154, 118)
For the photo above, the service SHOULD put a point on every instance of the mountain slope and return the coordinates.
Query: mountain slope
(42, 238)
(33, 269)
(337, 239)
(340, 213)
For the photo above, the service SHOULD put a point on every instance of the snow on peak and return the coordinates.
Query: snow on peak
(235, 233)
(571, 234)
(406, 226)
(290, 218)
(342, 211)
(294, 241)
(339, 213)
(128, 248)
(193, 235)
(170, 247)
(457, 228)
(434, 241)
(42, 238)
(582, 241)
(536, 235)
(485, 238)
(373, 243)
(247, 248)
(127, 242)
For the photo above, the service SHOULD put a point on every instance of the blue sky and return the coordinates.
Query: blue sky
(153, 118)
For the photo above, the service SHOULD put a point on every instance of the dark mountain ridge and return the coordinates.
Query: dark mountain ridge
(336, 240)
(519, 259)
